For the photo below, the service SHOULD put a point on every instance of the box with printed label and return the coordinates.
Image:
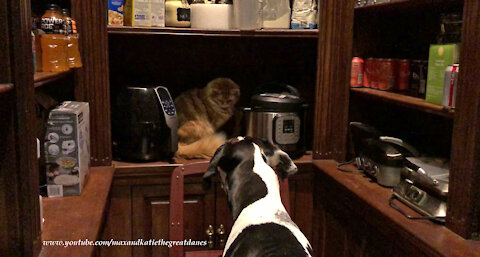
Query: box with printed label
(138, 13)
(67, 149)
(115, 12)
(439, 58)
(158, 13)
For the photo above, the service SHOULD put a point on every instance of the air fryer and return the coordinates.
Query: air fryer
(144, 125)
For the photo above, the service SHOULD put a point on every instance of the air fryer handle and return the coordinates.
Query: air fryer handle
(171, 121)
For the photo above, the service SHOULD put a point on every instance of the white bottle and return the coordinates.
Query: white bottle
(177, 13)
(247, 14)
(276, 14)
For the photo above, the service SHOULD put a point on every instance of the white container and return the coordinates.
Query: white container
(276, 14)
(212, 16)
(177, 13)
(247, 14)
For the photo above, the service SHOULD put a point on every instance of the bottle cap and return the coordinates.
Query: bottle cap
(53, 7)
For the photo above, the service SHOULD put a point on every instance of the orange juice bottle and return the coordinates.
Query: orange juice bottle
(54, 41)
(73, 54)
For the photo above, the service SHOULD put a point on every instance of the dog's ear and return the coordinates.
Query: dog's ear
(285, 166)
(212, 168)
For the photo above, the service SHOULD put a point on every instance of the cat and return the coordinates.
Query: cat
(200, 113)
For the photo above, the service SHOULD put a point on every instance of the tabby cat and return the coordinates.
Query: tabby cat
(200, 113)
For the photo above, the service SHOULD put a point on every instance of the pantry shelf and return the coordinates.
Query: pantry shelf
(406, 4)
(5, 88)
(310, 33)
(405, 100)
(42, 78)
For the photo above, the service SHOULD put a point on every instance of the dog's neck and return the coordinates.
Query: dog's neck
(254, 180)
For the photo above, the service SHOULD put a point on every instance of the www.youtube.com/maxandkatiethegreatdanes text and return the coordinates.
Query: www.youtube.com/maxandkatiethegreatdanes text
(138, 242)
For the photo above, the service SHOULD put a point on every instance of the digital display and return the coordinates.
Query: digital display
(288, 126)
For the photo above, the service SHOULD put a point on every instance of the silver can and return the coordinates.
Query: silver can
(450, 85)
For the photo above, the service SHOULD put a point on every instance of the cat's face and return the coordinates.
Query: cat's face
(224, 92)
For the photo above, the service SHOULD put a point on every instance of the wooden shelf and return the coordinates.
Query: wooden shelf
(404, 100)
(42, 78)
(370, 202)
(125, 168)
(303, 33)
(5, 88)
(74, 218)
(394, 4)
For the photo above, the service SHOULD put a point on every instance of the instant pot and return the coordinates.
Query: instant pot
(277, 113)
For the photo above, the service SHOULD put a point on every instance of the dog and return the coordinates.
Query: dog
(262, 226)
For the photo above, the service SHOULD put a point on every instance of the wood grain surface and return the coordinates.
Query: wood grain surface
(76, 218)
(333, 76)
(463, 214)
(354, 199)
(92, 83)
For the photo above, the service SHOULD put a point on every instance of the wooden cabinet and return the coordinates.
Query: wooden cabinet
(139, 209)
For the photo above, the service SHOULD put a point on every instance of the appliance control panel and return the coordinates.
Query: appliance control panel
(166, 100)
(286, 129)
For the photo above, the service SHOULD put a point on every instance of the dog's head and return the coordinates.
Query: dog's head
(236, 151)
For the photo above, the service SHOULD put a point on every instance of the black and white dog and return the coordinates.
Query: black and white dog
(262, 225)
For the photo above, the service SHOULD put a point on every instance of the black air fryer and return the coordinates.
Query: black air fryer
(144, 124)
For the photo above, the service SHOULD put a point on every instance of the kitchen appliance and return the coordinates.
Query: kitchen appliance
(278, 114)
(381, 157)
(144, 124)
(424, 187)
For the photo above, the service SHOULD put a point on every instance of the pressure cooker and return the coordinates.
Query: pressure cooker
(277, 113)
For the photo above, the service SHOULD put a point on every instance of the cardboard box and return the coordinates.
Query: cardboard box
(67, 148)
(115, 12)
(138, 13)
(158, 13)
(440, 57)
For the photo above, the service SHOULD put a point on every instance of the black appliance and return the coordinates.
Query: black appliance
(278, 114)
(144, 125)
(381, 157)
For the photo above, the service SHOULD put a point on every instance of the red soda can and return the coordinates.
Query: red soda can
(387, 75)
(356, 79)
(403, 75)
(367, 73)
(374, 73)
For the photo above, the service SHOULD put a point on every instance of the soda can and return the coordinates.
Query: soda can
(403, 75)
(374, 73)
(367, 74)
(356, 79)
(386, 79)
(450, 85)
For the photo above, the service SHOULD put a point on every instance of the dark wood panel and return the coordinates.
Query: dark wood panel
(150, 215)
(24, 188)
(92, 81)
(334, 59)
(463, 215)
(118, 225)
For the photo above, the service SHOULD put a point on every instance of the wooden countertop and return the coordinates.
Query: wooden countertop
(433, 238)
(76, 218)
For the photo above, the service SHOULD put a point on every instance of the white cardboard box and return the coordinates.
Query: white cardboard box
(67, 148)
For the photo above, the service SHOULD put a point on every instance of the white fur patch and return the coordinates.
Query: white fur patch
(265, 210)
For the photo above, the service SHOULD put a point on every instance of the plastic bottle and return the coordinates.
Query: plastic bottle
(54, 41)
(177, 13)
(247, 14)
(73, 54)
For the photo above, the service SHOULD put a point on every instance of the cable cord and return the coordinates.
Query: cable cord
(341, 164)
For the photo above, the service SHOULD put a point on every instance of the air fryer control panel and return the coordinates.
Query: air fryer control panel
(166, 100)
(286, 129)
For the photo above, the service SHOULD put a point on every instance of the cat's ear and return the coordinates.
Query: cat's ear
(212, 168)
